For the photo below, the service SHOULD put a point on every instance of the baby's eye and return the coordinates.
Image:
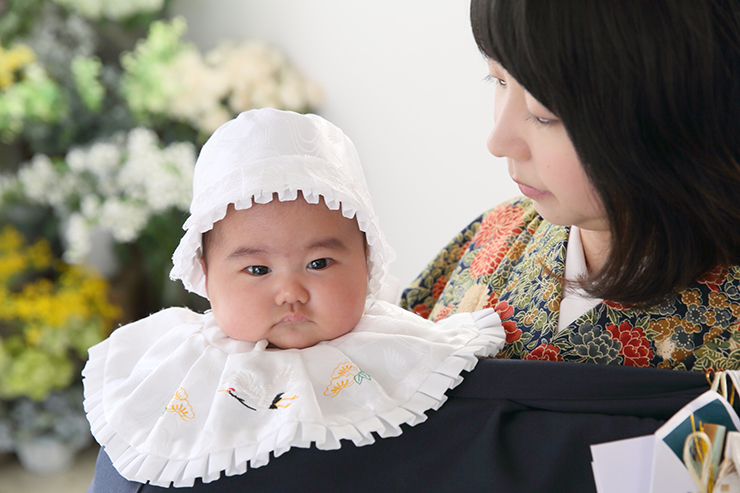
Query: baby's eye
(319, 264)
(257, 270)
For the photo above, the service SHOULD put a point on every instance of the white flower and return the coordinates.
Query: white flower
(210, 121)
(90, 207)
(117, 185)
(197, 91)
(103, 159)
(77, 236)
(76, 160)
(173, 186)
(292, 91)
(67, 186)
(248, 75)
(124, 219)
(141, 142)
(38, 178)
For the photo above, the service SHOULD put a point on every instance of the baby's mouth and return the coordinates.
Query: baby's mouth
(293, 317)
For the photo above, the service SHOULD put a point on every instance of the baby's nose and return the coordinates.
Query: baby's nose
(291, 290)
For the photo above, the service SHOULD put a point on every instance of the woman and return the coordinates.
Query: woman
(620, 123)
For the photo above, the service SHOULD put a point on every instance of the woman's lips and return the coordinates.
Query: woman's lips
(531, 192)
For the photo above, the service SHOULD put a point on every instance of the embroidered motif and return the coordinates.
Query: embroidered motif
(254, 397)
(345, 375)
(180, 405)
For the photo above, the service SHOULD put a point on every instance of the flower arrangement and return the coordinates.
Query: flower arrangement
(115, 184)
(103, 107)
(45, 434)
(50, 314)
(165, 78)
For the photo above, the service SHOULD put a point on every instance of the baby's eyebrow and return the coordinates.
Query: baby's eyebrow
(244, 251)
(328, 243)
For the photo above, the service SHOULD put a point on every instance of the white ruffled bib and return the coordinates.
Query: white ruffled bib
(172, 398)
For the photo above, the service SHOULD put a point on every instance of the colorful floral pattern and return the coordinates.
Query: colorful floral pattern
(512, 260)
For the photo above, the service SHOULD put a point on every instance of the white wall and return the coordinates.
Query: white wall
(404, 80)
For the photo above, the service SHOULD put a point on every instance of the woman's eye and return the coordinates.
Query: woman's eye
(497, 80)
(319, 264)
(257, 270)
(542, 122)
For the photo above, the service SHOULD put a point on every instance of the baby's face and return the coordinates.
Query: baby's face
(293, 273)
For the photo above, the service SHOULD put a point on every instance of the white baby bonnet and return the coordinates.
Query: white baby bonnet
(266, 151)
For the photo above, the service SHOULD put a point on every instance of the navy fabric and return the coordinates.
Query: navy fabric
(512, 425)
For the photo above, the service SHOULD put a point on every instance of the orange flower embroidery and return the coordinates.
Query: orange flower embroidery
(488, 259)
(512, 333)
(422, 310)
(492, 235)
(713, 278)
(544, 352)
(502, 223)
(439, 286)
(443, 313)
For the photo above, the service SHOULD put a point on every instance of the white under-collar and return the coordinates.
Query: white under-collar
(575, 302)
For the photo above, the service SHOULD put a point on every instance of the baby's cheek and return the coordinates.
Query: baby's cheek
(237, 321)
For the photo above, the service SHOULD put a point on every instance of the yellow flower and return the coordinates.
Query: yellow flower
(61, 310)
(13, 60)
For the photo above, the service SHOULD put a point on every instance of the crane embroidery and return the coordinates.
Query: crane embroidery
(345, 375)
(254, 396)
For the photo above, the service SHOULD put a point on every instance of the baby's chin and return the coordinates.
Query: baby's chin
(282, 343)
(295, 339)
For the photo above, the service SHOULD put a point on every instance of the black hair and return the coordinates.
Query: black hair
(649, 93)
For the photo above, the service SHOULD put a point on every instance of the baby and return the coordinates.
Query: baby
(302, 344)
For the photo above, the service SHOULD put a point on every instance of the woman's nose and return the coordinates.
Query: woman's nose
(291, 290)
(507, 138)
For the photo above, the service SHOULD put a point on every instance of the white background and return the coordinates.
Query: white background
(404, 80)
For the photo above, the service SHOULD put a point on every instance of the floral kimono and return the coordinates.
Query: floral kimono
(512, 259)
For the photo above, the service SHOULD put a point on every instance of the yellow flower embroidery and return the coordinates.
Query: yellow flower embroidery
(345, 375)
(180, 405)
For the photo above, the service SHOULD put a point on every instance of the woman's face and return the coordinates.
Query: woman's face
(541, 157)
